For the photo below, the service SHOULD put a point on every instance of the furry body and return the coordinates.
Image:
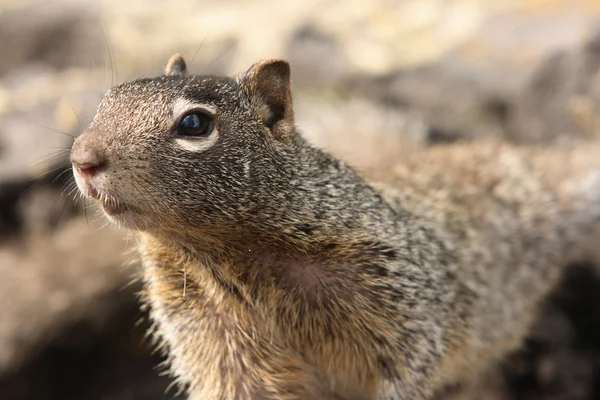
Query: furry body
(273, 271)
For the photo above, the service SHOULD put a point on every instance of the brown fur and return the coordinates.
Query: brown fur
(274, 271)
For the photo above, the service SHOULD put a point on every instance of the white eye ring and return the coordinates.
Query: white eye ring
(183, 108)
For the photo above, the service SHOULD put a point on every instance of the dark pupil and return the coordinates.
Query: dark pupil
(193, 125)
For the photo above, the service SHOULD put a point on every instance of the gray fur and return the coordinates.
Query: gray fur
(274, 271)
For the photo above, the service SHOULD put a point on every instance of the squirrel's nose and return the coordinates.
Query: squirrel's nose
(87, 160)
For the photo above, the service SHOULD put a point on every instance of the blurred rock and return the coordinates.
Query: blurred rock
(562, 98)
(51, 281)
(309, 45)
(525, 77)
(91, 360)
(68, 35)
(367, 135)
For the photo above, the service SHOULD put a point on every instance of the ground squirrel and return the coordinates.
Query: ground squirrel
(274, 271)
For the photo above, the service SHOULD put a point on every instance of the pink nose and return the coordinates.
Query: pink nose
(87, 161)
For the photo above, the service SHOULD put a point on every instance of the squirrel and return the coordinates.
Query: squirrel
(273, 270)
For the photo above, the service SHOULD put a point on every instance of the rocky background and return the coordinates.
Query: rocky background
(373, 80)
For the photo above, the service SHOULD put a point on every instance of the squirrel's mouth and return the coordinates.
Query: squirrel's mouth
(111, 205)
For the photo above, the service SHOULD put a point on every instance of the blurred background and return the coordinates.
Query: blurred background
(372, 80)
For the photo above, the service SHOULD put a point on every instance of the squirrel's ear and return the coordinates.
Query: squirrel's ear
(267, 86)
(176, 66)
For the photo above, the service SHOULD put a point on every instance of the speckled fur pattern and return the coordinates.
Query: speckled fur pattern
(273, 271)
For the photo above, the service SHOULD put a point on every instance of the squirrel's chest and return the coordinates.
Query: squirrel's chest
(211, 341)
(217, 345)
(224, 348)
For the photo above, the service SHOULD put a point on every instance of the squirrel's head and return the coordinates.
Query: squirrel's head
(178, 151)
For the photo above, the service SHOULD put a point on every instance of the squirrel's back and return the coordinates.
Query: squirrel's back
(512, 219)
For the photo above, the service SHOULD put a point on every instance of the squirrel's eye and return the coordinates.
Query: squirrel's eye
(195, 124)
